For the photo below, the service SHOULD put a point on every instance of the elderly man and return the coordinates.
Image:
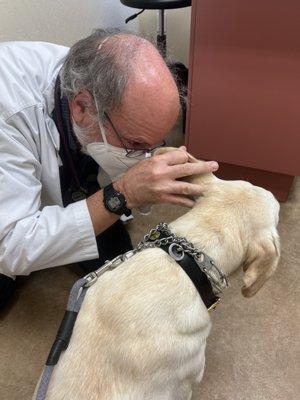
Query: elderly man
(108, 101)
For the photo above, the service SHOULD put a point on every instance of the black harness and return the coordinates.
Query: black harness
(201, 269)
(197, 276)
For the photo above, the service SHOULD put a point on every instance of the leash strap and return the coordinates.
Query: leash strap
(63, 336)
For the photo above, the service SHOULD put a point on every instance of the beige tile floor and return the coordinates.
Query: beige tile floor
(253, 351)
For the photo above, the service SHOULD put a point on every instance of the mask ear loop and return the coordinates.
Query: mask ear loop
(102, 129)
(103, 134)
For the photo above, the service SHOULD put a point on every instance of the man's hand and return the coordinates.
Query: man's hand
(154, 180)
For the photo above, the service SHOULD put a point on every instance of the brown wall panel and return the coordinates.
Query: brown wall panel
(245, 83)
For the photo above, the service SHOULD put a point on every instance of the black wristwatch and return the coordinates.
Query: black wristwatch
(115, 201)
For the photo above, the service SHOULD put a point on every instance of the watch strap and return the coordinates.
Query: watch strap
(110, 192)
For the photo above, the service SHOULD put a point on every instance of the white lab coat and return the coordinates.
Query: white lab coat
(36, 231)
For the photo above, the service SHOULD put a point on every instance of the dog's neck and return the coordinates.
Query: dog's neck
(197, 226)
(205, 179)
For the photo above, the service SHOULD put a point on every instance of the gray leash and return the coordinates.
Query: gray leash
(63, 336)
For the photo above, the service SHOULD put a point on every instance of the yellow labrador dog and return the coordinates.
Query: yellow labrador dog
(142, 329)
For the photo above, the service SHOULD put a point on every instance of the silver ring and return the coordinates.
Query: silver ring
(176, 251)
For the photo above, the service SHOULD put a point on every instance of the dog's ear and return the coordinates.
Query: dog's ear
(163, 150)
(262, 260)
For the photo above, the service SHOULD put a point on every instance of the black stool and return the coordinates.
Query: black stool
(160, 5)
(178, 68)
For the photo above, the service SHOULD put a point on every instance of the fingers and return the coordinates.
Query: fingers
(188, 189)
(183, 164)
(187, 169)
(192, 159)
(179, 200)
(174, 157)
(155, 180)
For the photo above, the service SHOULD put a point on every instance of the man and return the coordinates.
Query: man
(107, 101)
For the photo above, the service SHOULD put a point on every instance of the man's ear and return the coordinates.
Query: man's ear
(262, 260)
(81, 106)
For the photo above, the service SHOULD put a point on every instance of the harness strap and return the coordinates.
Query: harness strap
(63, 336)
(196, 264)
(198, 277)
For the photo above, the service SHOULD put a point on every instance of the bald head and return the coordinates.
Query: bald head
(150, 102)
(125, 76)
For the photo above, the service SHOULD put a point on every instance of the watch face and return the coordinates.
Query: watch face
(114, 203)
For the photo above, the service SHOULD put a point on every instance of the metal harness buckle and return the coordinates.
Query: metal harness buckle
(92, 277)
(214, 305)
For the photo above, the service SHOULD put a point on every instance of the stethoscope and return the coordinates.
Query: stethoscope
(79, 192)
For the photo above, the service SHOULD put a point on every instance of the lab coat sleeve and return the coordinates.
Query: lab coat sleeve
(31, 237)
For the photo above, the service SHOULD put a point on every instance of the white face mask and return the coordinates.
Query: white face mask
(114, 162)
(112, 159)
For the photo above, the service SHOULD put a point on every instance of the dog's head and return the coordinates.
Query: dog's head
(255, 211)
(191, 159)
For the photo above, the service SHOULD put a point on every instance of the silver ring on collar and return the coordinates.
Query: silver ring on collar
(176, 251)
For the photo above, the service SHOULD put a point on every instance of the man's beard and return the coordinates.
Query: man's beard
(82, 134)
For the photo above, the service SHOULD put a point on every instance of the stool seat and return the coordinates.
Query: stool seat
(157, 4)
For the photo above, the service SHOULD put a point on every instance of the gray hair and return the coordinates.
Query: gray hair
(101, 69)
(102, 64)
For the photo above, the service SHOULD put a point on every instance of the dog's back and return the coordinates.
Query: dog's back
(142, 329)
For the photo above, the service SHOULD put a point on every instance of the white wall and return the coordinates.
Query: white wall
(177, 29)
(59, 21)
(66, 21)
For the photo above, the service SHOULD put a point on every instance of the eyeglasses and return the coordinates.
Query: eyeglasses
(133, 153)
